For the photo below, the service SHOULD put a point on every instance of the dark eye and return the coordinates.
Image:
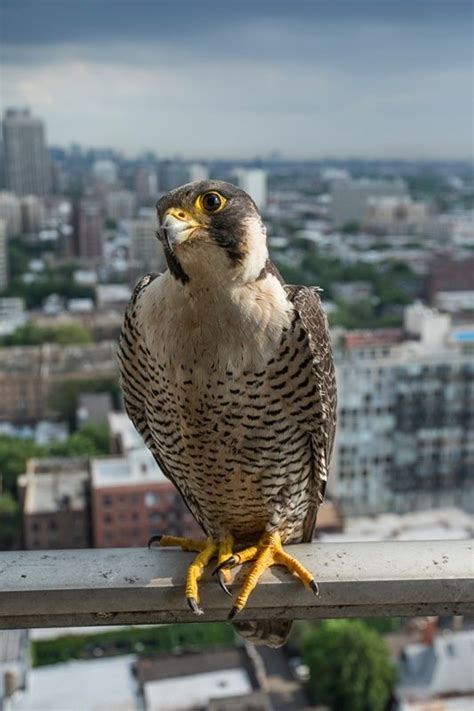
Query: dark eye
(211, 202)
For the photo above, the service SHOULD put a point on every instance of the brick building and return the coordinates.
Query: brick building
(28, 373)
(54, 500)
(131, 500)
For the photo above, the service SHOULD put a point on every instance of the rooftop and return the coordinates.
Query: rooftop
(52, 687)
(121, 426)
(191, 680)
(137, 467)
(55, 484)
(441, 669)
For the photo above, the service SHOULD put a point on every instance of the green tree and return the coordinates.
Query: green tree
(9, 522)
(89, 441)
(350, 667)
(31, 335)
(351, 228)
(14, 452)
(194, 636)
(63, 397)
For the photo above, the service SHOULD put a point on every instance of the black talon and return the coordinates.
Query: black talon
(154, 539)
(220, 577)
(235, 611)
(314, 587)
(230, 562)
(194, 606)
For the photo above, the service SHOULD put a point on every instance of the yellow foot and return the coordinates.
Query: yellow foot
(206, 551)
(268, 552)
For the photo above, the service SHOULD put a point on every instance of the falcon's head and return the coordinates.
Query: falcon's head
(211, 228)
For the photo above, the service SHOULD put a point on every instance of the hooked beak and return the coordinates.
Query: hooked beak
(178, 226)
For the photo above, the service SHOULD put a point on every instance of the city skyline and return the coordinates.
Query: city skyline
(306, 80)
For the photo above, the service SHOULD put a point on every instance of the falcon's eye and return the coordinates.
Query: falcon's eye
(211, 202)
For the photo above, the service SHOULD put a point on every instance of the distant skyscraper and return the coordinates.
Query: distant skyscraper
(88, 230)
(10, 212)
(105, 171)
(146, 253)
(350, 198)
(120, 205)
(172, 174)
(254, 182)
(198, 172)
(3, 256)
(32, 214)
(146, 185)
(25, 153)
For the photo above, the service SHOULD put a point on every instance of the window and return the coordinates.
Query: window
(107, 500)
(151, 499)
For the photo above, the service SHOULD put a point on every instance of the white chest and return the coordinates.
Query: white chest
(209, 330)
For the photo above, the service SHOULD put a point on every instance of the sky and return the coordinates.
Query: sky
(236, 79)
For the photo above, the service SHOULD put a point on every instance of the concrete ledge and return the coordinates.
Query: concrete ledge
(137, 586)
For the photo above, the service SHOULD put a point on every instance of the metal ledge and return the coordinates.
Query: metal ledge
(136, 586)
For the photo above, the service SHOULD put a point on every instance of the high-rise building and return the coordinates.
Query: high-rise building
(26, 155)
(197, 171)
(88, 230)
(254, 182)
(350, 198)
(146, 253)
(105, 171)
(405, 418)
(3, 256)
(172, 174)
(32, 214)
(10, 211)
(120, 205)
(146, 185)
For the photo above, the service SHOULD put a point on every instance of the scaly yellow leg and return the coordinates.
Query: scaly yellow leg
(194, 575)
(268, 552)
(206, 550)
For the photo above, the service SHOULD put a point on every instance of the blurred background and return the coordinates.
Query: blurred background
(351, 126)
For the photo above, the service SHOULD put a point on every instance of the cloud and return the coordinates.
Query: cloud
(207, 79)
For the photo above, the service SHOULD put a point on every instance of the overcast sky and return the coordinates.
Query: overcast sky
(385, 78)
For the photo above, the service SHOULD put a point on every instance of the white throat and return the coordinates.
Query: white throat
(215, 327)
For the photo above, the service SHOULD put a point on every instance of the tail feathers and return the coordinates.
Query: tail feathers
(272, 633)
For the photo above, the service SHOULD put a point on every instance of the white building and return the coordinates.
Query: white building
(405, 437)
(120, 205)
(10, 211)
(12, 309)
(395, 214)
(437, 672)
(105, 171)
(146, 253)
(3, 256)
(32, 214)
(350, 198)
(26, 155)
(197, 171)
(112, 295)
(146, 185)
(254, 182)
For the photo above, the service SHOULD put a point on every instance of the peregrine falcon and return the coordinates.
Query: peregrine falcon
(227, 373)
